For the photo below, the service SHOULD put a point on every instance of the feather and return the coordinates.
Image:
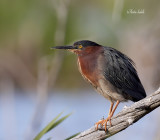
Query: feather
(120, 71)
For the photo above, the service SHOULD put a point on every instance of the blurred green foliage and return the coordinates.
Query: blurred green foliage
(28, 28)
(55, 122)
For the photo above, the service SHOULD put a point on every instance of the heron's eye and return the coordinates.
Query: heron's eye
(80, 46)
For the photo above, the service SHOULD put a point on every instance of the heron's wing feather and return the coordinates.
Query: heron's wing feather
(121, 73)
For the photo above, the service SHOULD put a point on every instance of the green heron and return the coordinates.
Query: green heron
(110, 72)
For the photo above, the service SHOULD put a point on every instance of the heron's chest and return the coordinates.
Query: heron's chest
(88, 67)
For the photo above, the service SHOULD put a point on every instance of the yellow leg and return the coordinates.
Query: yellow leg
(110, 109)
(111, 112)
(114, 108)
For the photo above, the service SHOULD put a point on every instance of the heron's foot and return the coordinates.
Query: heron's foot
(104, 122)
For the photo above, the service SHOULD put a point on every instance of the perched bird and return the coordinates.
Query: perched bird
(109, 71)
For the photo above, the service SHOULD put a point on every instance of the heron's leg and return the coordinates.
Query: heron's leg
(111, 112)
(110, 109)
(117, 103)
(103, 121)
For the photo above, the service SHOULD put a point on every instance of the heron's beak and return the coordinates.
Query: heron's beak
(64, 47)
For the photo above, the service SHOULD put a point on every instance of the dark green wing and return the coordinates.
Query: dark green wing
(121, 73)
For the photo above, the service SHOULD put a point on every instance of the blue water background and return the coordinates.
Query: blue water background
(88, 107)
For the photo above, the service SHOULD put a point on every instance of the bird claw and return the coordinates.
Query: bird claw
(104, 123)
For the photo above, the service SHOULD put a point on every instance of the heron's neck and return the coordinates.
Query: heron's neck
(88, 64)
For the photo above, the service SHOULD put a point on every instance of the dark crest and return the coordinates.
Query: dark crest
(86, 43)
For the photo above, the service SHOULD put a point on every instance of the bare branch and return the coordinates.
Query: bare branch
(123, 119)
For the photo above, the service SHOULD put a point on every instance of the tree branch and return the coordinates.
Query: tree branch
(123, 119)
